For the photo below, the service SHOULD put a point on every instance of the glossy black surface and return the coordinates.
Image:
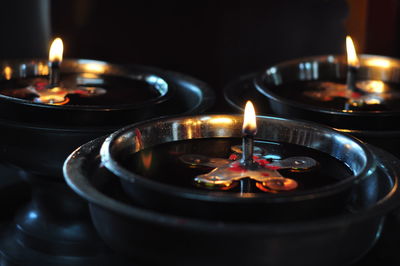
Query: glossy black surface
(166, 165)
(298, 91)
(116, 90)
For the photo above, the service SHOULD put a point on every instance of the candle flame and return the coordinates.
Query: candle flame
(249, 121)
(56, 50)
(352, 59)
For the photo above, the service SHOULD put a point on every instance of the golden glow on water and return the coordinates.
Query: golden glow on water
(375, 86)
(42, 69)
(221, 120)
(147, 159)
(94, 68)
(7, 72)
(377, 62)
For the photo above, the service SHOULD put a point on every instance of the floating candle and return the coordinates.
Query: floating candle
(354, 94)
(169, 164)
(83, 82)
(244, 165)
(52, 90)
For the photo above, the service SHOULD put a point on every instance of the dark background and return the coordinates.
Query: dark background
(215, 41)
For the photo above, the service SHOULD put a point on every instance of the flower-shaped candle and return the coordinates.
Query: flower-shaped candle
(364, 94)
(244, 164)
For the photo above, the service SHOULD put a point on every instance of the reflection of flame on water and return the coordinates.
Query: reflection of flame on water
(373, 86)
(275, 185)
(138, 140)
(97, 68)
(372, 92)
(221, 121)
(42, 69)
(147, 158)
(7, 72)
(377, 62)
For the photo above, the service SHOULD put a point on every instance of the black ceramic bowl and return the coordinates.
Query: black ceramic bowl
(38, 137)
(159, 238)
(329, 68)
(194, 202)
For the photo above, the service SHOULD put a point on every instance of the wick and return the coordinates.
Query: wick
(351, 78)
(247, 150)
(54, 74)
(247, 161)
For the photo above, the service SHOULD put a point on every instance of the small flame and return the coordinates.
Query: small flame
(249, 121)
(352, 59)
(56, 50)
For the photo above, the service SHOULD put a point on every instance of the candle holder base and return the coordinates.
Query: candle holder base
(53, 229)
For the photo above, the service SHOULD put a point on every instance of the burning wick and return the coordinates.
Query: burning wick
(53, 92)
(352, 64)
(363, 92)
(55, 59)
(249, 130)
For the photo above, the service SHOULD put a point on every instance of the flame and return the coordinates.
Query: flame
(56, 50)
(249, 121)
(352, 59)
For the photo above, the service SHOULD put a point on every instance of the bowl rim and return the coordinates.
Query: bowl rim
(203, 98)
(214, 196)
(258, 82)
(79, 182)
